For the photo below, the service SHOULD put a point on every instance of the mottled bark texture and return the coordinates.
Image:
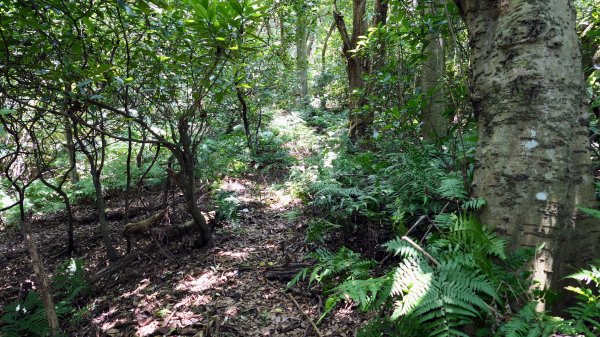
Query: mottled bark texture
(435, 124)
(533, 164)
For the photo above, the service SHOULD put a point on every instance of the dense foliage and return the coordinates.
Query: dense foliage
(114, 98)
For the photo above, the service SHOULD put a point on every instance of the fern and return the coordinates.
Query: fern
(586, 313)
(318, 228)
(385, 327)
(401, 248)
(441, 299)
(25, 318)
(368, 293)
(344, 264)
(28, 317)
(590, 211)
(527, 322)
(473, 204)
(453, 188)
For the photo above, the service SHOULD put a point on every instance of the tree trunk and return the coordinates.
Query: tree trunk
(69, 210)
(435, 124)
(360, 121)
(40, 273)
(128, 175)
(71, 151)
(188, 186)
(111, 253)
(533, 164)
(95, 171)
(302, 57)
(187, 182)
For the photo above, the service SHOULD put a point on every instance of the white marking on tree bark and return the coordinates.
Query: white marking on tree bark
(530, 144)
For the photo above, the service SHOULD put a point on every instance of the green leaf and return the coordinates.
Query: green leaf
(236, 6)
(84, 83)
(590, 211)
(7, 111)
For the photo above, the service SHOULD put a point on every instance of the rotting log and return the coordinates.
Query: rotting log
(142, 226)
(285, 273)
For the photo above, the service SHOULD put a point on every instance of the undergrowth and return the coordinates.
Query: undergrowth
(27, 317)
(445, 273)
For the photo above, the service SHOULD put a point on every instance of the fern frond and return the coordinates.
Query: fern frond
(367, 293)
(453, 188)
(400, 248)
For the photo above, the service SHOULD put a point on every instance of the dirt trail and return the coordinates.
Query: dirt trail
(228, 289)
(222, 290)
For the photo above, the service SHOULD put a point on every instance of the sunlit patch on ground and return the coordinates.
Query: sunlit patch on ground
(141, 286)
(232, 311)
(232, 185)
(148, 329)
(281, 200)
(104, 317)
(198, 284)
(240, 254)
(193, 301)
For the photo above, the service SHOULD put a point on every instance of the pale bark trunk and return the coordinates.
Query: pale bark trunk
(533, 164)
(40, 273)
(302, 58)
(435, 124)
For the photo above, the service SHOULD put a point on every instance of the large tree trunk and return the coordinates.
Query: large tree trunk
(533, 164)
(435, 124)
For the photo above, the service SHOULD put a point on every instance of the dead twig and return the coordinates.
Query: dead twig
(304, 314)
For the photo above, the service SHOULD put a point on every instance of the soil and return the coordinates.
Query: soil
(236, 286)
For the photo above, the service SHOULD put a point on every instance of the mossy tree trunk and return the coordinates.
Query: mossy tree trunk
(533, 164)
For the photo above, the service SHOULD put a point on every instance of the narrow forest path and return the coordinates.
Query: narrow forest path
(235, 287)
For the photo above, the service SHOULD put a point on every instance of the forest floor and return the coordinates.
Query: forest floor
(234, 287)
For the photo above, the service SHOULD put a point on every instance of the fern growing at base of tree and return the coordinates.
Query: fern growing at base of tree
(461, 279)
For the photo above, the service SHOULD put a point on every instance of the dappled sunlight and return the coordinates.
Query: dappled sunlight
(240, 254)
(147, 330)
(232, 311)
(198, 284)
(193, 300)
(344, 313)
(232, 185)
(281, 200)
(141, 286)
(103, 319)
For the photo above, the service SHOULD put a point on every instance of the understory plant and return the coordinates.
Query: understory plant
(26, 317)
(459, 281)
